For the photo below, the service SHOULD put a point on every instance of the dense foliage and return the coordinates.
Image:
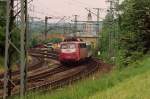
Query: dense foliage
(2, 27)
(133, 30)
(53, 40)
(13, 55)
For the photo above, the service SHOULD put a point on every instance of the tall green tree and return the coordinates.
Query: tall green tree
(2, 26)
(14, 38)
(135, 27)
(133, 30)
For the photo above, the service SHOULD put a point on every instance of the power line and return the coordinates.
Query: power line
(83, 4)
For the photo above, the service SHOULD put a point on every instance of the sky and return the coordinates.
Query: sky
(68, 8)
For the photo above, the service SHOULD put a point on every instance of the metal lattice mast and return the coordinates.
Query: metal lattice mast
(97, 26)
(113, 34)
(117, 26)
(12, 13)
(111, 23)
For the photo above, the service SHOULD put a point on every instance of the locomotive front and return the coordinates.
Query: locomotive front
(68, 52)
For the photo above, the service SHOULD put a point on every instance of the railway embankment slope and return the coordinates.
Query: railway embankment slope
(135, 87)
(132, 82)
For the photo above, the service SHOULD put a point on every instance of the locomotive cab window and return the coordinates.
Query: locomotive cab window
(64, 46)
(72, 46)
(82, 45)
(68, 46)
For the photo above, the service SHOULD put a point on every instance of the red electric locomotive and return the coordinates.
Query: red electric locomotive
(74, 51)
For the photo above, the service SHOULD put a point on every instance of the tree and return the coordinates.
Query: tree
(54, 40)
(133, 32)
(15, 38)
(2, 26)
(135, 28)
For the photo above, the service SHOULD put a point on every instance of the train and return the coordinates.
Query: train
(74, 51)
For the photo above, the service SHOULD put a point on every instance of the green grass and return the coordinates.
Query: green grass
(105, 85)
(134, 88)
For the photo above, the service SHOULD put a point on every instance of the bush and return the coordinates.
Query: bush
(53, 40)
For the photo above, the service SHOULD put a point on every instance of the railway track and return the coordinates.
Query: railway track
(44, 54)
(37, 63)
(44, 78)
(63, 78)
(38, 57)
(58, 76)
(55, 57)
(35, 76)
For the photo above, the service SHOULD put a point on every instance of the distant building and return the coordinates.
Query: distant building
(88, 29)
(88, 25)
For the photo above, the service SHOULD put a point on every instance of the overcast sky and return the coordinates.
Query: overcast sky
(60, 8)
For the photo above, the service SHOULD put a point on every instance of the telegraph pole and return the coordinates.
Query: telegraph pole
(75, 24)
(45, 33)
(23, 47)
(98, 18)
(46, 21)
(98, 30)
(97, 25)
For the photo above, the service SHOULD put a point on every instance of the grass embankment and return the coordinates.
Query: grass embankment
(137, 87)
(132, 82)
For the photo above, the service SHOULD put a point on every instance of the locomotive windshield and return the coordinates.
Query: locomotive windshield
(68, 46)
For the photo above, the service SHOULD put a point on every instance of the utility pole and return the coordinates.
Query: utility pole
(46, 21)
(75, 24)
(9, 45)
(45, 33)
(98, 18)
(98, 27)
(23, 47)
